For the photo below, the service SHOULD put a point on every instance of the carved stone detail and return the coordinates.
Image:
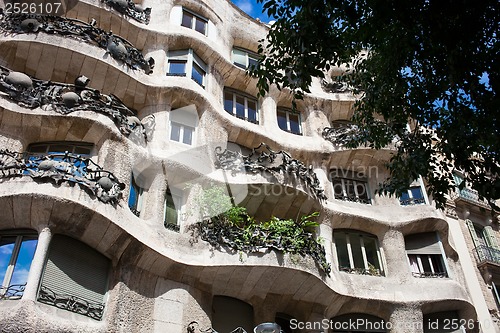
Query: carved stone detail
(263, 159)
(118, 47)
(341, 133)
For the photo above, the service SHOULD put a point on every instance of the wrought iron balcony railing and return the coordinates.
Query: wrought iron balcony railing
(412, 201)
(470, 195)
(66, 98)
(71, 303)
(262, 159)
(60, 167)
(14, 291)
(131, 9)
(486, 254)
(118, 47)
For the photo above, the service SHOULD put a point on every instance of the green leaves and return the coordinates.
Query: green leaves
(433, 64)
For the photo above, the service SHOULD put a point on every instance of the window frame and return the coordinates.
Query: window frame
(343, 176)
(420, 255)
(6, 284)
(235, 93)
(182, 129)
(195, 18)
(249, 55)
(136, 208)
(410, 200)
(177, 200)
(190, 60)
(74, 145)
(367, 270)
(288, 112)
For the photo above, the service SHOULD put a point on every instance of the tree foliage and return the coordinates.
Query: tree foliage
(432, 64)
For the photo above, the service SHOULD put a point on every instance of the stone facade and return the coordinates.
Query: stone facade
(121, 182)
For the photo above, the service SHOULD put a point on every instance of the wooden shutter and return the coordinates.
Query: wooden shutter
(424, 243)
(473, 233)
(75, 269)
(491, 239)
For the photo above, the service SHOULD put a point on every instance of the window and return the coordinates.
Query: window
(194, 21)
(241, 106)
(230, 313)
(348, 186)
(181, 133)
(289, 121)
(425, 255)
(187, 63)
(245, 58)
(17, 249)
(135, 197)
(75, 277)
(413, 196)
(485, 242)
(44, 148)
(358, 252)
(173, 203)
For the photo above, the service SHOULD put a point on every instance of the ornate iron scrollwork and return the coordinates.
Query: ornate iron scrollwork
(66, 98)
(65, 167)
(71, 303)
(14, 291)
(193, 327)
(118, 47)
(129, 8)
(341, 133)
(263, 159)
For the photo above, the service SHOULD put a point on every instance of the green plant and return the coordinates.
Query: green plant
(233, 228)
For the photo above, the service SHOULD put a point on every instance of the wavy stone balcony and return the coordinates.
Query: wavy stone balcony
(66, 98)
(119, 48)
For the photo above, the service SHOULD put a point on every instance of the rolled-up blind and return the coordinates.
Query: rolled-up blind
(73, 268)
(424, 243)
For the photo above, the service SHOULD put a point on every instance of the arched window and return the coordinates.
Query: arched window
(75, 277)
(425, 255)
(358, 252)
(230, 313)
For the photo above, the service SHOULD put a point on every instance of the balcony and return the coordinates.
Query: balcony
(470, 196)
(486, 254)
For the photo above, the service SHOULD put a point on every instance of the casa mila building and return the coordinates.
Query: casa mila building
(126, 130)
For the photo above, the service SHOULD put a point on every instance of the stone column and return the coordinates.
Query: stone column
(37, 264)
(407, 319)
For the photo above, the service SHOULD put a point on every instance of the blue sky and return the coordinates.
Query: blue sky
(252, 8)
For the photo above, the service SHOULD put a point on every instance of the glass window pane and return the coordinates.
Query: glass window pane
(134, 194)
(228, 102)
(6, 248)
(362, 190)
(240, 58)
(177, 67)
(175, 132)
(240, 107)
(356, 251)
(41, 149)
(198, 74)
(252, 62)
(170, 210)
(24, 259)
(187, 136)
(294, 123)
(282, 120)
(349, 188)
(84, 151)
(252, 111)
(416, 193)
(341, 246)
(371, 251)
(200, 25)
(187, 19)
